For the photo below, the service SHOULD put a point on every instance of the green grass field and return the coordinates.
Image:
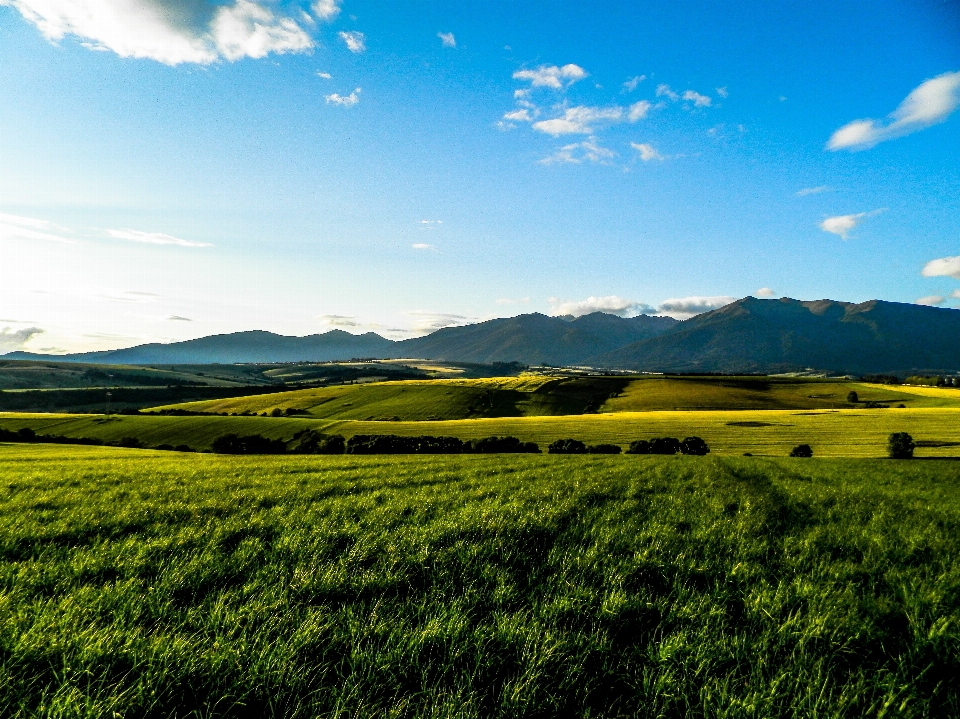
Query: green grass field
(831, 433)
(151, 584)
(528, 396)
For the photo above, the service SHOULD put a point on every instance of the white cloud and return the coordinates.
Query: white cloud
(955, 294)
(447, 39)
(423, 246)
(930, 301)
(812, 191)
(722, 92)
(697, 99)
(577, 152)
(154, 238)
(684, 307)
(943, 267)
(326, 9)
(178, 318)
(346, 101)
(638, 110)
(431, 222)
(646, 151)
(168, 31)
(631, 84)
(355, 40)
(29, 228)
(665, 91)
(611, 304)
(579, 120)
(930, 103)
(12, 340)
(324, 75)
(339, 320)
(426, 322)
(552, 76)
(765, 292)
(520, 115)
(841, 225)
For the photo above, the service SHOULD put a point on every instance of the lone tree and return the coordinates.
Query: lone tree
(802, 450)
(853, 397)
(694, 446)
(900, 446)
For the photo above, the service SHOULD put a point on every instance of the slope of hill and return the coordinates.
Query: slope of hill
(753, 335)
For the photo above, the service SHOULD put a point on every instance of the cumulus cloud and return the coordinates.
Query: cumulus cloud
(169, 31)
(154, 238)
(575, 153)
(447, 39)
(685, 307)
(326, 9)
(841, 225)
(722, 92)
(697, 99)
(812, 191)
(930, 301)
(647, 152)
(631, 84)
(765, 292)
(665, 91)
(955, 294)
(12, 340)
(638, 110)
(942, 267)
(930, 103)
(519, 115)
(611, 305)
(580, 120)
(345, 101)
(552, 76)
(29, 228)
(355, 40)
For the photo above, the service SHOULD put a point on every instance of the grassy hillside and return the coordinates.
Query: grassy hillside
(831, 433)
(151, 584)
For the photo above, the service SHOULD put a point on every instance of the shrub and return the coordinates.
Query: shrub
(900, 445)
(639, 446)
(801, 450)
(694, 446)
(500, 445)
(604, 449)
(277, 412)
(567, 446)
(313, 442)
(183, 448)
(130, 443)
(249, 444)
(164, 447)
(664, 445)
(25, 434)
(853, 397)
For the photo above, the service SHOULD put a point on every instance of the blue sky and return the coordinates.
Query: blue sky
(176, 168)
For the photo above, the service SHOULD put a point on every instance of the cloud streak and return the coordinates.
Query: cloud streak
(931, 103)
(611, 305)
(355, 40)
(29, 228)
(154, 238)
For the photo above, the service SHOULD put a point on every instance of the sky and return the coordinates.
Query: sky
(171, 169)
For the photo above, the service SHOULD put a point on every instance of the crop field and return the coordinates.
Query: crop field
(145, 584)
(831, 433)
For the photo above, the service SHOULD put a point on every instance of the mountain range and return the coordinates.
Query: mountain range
(749, 335)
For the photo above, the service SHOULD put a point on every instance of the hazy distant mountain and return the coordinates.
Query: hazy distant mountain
(786, 335)
(535, 338)
(253, 346)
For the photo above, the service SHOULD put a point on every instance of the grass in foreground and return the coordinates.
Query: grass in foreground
(148, 584)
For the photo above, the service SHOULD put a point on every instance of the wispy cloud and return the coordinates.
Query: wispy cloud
(638, 110)
(580, 120)
(647, 152)
(169, 31)
(663, 90)
(841, 225)
(426, 322)
(326, 9)
(722, 92)
(13, 340)
(575, 153)
(631, 84)
(930, 301)
(424, 246)
(697, 99)
(355, 40)
(29, 228)
(154, 238)
(930, 103)
(324, 75)
(178, 318)
(552, 76)
(447, 39)
(344, 100)
(339, 320)
(812, 191)
(943, 267)
(685, 307)
(128, 296)
(611, 305)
